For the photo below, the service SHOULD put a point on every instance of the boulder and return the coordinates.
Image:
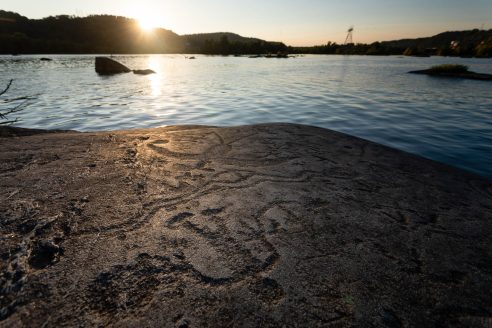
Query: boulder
(108, 66)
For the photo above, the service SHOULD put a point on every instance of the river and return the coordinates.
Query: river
(444, 119)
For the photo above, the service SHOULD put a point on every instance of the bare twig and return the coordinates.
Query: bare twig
(7, 88)
(20, 98)
(9, 122)
(17, 108)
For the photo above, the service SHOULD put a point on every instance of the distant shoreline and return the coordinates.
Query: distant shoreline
(218, 55)
(116, 34)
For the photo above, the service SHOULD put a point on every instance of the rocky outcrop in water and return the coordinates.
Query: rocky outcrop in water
(143, 71)
(108, 66)
(461, 75)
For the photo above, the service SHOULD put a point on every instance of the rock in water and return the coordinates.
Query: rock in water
(461, 75)
(108, 66)
(143, 71)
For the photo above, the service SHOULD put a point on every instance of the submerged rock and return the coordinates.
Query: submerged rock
(462, 75)
(278, 55)
(108, 66)
(143, 71)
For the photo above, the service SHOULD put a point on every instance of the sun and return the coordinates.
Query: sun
(148, 21)
(146, 24)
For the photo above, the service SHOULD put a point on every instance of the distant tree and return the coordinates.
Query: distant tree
(224, 45)
(484, 49)
(375, 49)
(408, 52)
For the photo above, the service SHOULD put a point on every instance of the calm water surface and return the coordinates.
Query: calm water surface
(370, 97)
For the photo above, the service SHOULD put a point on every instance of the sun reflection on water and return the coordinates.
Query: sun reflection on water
(155, 79)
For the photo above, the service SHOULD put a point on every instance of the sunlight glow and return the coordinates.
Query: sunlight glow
(147, 20)
(147, 24)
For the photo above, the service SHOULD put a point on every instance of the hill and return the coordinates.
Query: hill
(92, 34)
(113, 34)
(230, 43)
(466, 43)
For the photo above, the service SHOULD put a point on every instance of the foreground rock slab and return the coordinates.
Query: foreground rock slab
(255, 226)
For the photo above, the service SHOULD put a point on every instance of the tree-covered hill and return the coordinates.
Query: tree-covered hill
(113, 34)
(460, 43)
(92, 34)
(472, 43)
(230, 43)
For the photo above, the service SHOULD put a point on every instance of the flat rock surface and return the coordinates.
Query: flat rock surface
(255, 226)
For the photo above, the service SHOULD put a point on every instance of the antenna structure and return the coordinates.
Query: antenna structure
(350, 34)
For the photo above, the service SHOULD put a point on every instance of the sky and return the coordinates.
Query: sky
(294, 22)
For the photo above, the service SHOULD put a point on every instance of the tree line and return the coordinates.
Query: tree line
(473, 43)
(97, 34)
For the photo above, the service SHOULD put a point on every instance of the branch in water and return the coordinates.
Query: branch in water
(7, 88)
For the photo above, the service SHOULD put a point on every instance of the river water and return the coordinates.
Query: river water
(374, 98)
